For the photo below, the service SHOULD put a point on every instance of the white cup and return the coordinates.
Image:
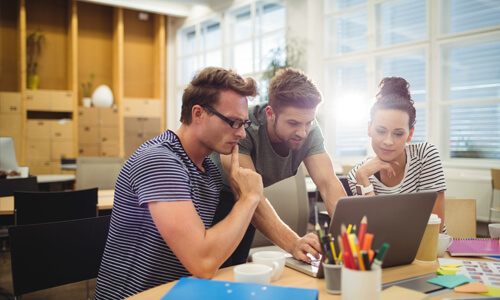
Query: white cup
(494, 230)
(444, 241)
(273, 259)
(356, 285)
(253, 273)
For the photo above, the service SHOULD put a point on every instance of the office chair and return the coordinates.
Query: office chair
(291, 202)
(8, 186)
(495, 185)
(42, 207)
(52, 254)
(100, 172)
(460, 217)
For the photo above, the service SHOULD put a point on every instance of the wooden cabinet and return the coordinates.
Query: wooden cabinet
(125, 52)
(98, 131)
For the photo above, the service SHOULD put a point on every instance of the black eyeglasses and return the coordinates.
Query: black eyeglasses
(234, 124)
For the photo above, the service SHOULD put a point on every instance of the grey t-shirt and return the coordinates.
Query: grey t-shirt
(271, 166)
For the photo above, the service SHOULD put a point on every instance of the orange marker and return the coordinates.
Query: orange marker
(367, 243)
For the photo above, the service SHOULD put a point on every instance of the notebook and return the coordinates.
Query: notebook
(474, 247)
(398, 219)
(195, 288)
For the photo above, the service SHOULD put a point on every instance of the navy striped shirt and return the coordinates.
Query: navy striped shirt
(136, 257)
(423, 173)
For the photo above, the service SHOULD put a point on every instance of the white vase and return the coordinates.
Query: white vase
(87, 101)
(102, 96)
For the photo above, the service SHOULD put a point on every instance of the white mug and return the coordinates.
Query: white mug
(274, 259)
(253, 273)
(444, 242)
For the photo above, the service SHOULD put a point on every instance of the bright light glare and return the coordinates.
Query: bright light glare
(352, 109)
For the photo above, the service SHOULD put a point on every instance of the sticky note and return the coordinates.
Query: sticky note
(492, 292)
(450, 281)
(451, 265)
(446, 272)
(396, 293)
(473, 287)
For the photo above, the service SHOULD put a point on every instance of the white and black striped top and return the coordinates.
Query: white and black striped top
(423, 172)
(136, 257)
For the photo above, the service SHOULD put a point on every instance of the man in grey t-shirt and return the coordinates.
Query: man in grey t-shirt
(283, 134)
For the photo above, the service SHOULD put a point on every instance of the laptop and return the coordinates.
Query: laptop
(399, 220)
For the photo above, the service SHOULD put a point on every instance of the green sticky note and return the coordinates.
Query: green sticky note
(445, 272)
(492, 292)
(450, 281)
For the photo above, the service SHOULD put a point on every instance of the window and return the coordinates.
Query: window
(453, 72)
(471, 93)
(250, 43)
(253, 30)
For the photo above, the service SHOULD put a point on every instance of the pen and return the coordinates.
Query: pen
(366, 259)
(377, 261)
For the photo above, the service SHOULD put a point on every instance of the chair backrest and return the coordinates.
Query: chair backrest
(52, 254)
(345, 184)
(290, 200)
(495, 179)
(9, 186)
(460, 218)
(42, 207)
(100, 172)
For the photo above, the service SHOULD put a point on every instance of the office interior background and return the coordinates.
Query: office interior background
(449, 51)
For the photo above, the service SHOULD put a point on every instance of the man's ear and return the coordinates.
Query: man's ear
(271, 116)
(197, 113)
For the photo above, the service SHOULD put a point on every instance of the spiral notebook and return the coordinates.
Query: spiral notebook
(474, 247)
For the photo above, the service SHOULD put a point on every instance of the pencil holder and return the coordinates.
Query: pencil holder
(332, 277)
(366, 285)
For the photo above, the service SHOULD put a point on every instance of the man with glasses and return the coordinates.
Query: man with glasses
(283, 134)
(166, 194)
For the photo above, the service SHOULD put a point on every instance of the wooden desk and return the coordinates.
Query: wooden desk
(104, 201)
(294, 278)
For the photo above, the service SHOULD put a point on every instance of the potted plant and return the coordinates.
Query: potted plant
(87, 90)
(34, 43)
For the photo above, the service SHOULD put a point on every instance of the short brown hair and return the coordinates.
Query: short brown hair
(206, 86)
(291, 87)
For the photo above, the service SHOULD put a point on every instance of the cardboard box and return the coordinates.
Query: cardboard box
(140, 107)
(88, 135)
(108, 134)
(38, 129)
(38, 100)
(109, 149)
(38, 150)
(10, 102)
(61, 101)
(62, 129)
(39, 167)
(11, 124)
(88, 116)
(88, 150)
(62, 149)
(108, 117)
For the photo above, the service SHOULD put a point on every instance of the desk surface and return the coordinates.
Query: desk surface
(104, 201)
(294, 278)
(48, 178)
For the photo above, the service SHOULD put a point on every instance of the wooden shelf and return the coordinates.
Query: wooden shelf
(124, 52)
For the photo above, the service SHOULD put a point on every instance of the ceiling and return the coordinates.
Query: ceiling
(177, 8)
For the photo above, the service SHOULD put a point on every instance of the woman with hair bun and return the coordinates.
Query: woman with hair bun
(398, 167)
